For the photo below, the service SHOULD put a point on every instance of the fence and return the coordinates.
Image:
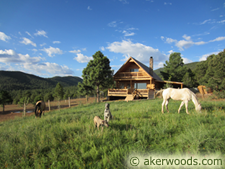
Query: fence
(50, 105)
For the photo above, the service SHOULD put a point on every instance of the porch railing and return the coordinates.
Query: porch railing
(117, 92)
(130, 75)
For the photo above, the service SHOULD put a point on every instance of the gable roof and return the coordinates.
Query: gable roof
(144, 67)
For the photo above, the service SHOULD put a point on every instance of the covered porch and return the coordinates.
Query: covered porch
(132, 89)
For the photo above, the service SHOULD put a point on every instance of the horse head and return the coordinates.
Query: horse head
(198, 107)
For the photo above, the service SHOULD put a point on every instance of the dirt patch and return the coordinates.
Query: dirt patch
(12, 111)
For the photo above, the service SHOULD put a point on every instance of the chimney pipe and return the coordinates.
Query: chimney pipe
(151, 66)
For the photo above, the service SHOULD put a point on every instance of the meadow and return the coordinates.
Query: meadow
(67, 138)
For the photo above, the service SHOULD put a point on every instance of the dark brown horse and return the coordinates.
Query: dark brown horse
(39, 108)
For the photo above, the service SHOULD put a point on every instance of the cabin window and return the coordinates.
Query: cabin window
(128, 86)
(121, 86)
(134, 70)
(140, 85)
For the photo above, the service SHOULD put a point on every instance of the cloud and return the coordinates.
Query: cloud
(29, 34)
(75, 51)
(113, 24)
(223, 21)
(169, 40)
(186, 37)
(52, 51)
(10, 56)
(82, 58)
(54, 42)
(52, 68)
(126, 33)
(218, 39)
(124, 1)
(166, 3)
(27, 42)
(186, 60)
(204, 57)
(4, 37)
(171, 51)
(89, 8)
(215, 9)
(41, 33)
(32, 64)
(205, 21)
(159, 65)
(102, 48)
(137, 50)
(181, 44)
(43, 44)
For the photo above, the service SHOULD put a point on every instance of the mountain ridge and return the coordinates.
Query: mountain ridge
(17, 80)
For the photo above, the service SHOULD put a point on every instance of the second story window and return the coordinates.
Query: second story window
(133, 70)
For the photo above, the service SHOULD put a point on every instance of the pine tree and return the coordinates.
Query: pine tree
(189, 79)
(97, 73)
(174, 68)
(211, 73)
(5, 98)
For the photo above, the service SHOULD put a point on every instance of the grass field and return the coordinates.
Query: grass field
(68, 139)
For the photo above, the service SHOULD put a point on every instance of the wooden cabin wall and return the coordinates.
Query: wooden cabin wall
(131, 65)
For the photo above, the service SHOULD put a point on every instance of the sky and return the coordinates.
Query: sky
(51, 38)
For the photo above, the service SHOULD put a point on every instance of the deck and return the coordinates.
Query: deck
(147, 93)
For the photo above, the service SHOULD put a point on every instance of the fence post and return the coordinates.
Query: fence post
(49, 106)
(24, 109)
(59, 104)
(69, 101)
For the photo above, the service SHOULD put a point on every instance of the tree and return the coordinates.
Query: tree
(48, 96)
(58, 93)
(189, 79)
(25, 100)
(97, 73)
(214, 73)
(5, 98)
(174, 68)
(37, 98)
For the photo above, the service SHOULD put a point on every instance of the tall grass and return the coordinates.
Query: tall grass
(68, 139)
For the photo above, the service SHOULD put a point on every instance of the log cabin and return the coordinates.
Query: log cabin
(136, 80)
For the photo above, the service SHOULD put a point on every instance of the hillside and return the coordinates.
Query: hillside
(192, 66)
(16, 80)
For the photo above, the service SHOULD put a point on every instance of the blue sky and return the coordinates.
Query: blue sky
(58, 38)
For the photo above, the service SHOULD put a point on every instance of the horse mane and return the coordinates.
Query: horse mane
(194, 97)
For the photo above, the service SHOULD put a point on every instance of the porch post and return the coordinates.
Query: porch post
(181, 85)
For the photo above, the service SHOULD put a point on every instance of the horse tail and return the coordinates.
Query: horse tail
(160, 91)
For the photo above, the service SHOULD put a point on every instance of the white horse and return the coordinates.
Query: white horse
(185, 95)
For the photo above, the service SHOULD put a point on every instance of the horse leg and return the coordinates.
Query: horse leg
(186, 105)
(163, 105)
(40, 113)
(182, 103)
(167, 102)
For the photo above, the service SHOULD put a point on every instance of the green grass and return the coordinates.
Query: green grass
(68, 139)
